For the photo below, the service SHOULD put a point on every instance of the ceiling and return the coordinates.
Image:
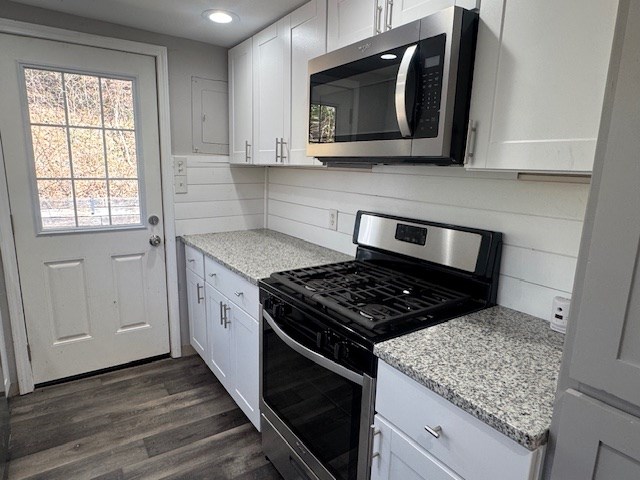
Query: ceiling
(180, 18)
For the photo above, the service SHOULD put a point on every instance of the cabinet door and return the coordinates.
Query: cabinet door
(595, 441)
(399, 458)
(271, 84)
(241, 102)
(399, 12)
(197, 313)
(539, 83)
(351, 20)
(606, 348)
(219, 355)
(308, 40)
(245, 357)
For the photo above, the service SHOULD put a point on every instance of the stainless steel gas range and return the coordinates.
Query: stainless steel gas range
(320, 325)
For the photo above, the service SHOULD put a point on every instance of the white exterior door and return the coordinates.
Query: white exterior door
(81, 147)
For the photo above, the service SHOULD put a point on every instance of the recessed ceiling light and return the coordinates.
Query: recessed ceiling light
(219, 16)
(388, 56)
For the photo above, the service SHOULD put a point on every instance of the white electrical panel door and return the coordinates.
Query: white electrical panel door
(210, 114)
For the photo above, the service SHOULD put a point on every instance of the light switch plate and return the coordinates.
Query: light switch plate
(179, 165)
(180, 184)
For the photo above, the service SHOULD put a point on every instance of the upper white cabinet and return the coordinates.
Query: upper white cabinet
(281, 53)
(352, 20)
(241, 102)
(539, 82)
(270, 86)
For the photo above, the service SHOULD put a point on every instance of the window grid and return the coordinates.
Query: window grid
(115, 98)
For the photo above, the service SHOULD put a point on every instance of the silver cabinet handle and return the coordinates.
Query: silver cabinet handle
(277, 145)
(191, 260)
(221, 314)
(378, 18)
(247, 146)
(389, 21)
(239, 293)
(471, 141)
(282, 154)
(401, 91)
(212, 275)
(198, 292)
(435, 431)
(376, 431)
(226, 316)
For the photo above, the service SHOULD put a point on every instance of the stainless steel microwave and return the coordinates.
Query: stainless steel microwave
(401, 96)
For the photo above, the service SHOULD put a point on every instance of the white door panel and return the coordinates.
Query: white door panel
(81, 148)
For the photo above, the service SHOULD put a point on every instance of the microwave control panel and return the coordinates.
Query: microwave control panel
(430, 86)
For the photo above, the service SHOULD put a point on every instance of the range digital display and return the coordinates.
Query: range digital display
(411, 234)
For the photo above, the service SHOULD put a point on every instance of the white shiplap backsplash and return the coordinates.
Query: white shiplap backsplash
(220, 197)
(541, 221)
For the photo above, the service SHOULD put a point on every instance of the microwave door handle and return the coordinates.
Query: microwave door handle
(401, 91)
(311, 355)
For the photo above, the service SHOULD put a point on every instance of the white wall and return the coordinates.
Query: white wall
(220, 197)
(541, 221)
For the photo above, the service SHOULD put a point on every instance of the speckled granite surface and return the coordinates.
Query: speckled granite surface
(256, 254)
(499, 365)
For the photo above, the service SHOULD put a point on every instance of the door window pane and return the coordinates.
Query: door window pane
(83, 135)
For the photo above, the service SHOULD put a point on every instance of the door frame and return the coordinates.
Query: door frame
(7, 242)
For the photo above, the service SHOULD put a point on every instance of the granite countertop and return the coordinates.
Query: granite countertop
(499, 365)
(256, 254)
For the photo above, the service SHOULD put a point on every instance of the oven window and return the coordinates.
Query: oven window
(320, 407)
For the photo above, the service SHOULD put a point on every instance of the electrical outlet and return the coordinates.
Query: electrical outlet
(180, 184)
(333, 219)
(179, 166)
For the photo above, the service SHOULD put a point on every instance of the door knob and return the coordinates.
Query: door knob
(155, 240)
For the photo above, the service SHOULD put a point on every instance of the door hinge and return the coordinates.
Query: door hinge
(29, 351)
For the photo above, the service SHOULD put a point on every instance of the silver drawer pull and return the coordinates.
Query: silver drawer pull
(435, 431)
(239, 293)
(191, 260)
(212, 275)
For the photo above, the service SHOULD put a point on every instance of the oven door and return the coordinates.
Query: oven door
(322, 410)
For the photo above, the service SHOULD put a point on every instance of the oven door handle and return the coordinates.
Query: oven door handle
(401, 91)
(311, 355)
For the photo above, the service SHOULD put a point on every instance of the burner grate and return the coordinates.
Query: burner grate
(369, 294)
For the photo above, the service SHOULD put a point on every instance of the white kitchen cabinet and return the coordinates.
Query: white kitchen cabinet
(233, 335)
(270, 86)
(538, 85)
(219, 355)
(195, 300)
(308, 31)
(281, 53)
(466, 445)
(397, 457)
(349, 21)
(245, 365)
(241, 102)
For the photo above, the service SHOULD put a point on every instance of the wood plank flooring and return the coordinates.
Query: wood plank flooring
(169, 419)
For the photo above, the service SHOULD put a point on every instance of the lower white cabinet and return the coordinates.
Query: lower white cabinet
(397, 457)
(460, 447)
(197, 312)
(226, 333)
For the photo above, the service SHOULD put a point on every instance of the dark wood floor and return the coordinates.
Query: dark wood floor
(170, 419)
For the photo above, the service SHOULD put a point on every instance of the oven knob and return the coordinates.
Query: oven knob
(268, 303)
(340, 350)
(279, 310)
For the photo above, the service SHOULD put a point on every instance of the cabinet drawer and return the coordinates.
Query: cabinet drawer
(233, 286)
(466, 445)
(194, 260)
